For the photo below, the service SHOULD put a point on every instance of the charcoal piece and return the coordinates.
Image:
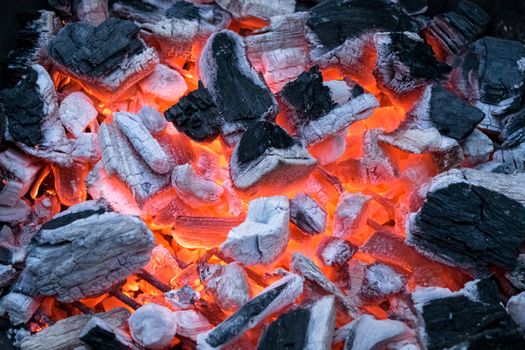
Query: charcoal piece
(183, 298)
(513, 129)
(335, 21)
(281, 66)
(267, 155)
(191, 323)
(451, 33)
(193, 189)
(164, 83)
(183, 10)
(381, 280)
(153, 326)
(7, 275)
(264, 235)
(65, 334)
(306, 97)
(19, 307)
(91, 11)
(477, 148)
(227, 283)
(25, 109)
(516, 309)
(517, 275)
(307, 214)
(349, 213)
(321, 325)
(82, 248)
(17, 173)
(288, 331)
(405, 63)
(471, 318)
(239, 93)
(76, 112)
(335, 251)
(452, 116)
(196, 115)
(469, 226)
(263, 9)
(512, 157)
(153, 120)
(101, 336)
(272, 299)
(414, 7)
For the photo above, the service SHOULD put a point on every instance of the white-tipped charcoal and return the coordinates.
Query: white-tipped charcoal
(321, 325)
(264, 9)
(516, 309)
(381, 280)
(191, 323)
(307, 214)
(263, 236)
(19, 307)
(164, 83)
(17, 174)
(152, 119)
(76, 112)
(227, 283)
(153, 326)
(350, 212)
(335, 251)
(193, 189)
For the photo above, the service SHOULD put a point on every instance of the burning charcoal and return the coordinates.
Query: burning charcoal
(512, 158)
(120, 158)
(516, 309)
(368, 333)
(472, 318)
(452, 116)
(190, 323)
(196, 115)
(140, 12)
(164, 83)
(86, 148)
(152, 119)
(143, 142)
(7, 275)
(335, 251)
(462, 223)
(263, 237)
(17, 172)
(350, 213)
(307, 214)
(268, 158)
(153, 326)
(451, 33)
(477, 148)
(65, 334)
(272, 299)
(16, 213)
(108, 58)
(405, 63)
(91, 11)
(76, 112)
(183, 298)
(101, 336)
(517, 275)
(84, 242)
(227, 283)
(312, 273)
(264, 9)
(19, 307)
(239, 93)
(203, 231)
(375, 165)
(281, 66)
(381, 280)
(32, 42)
(303, 328)
(162, 265)
(194, 190)
(340, 31)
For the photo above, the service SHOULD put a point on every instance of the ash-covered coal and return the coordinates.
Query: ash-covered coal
(261, 137)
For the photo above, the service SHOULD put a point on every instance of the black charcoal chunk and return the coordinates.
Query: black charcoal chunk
(513, 130)
(139, 11)
(240, 94)
(307, 214)
(95, 51)
(24, 108)
(470, 226)
(100, 336)
(260, 137)
(414, 7)
(334, 21)
(306, 97)
(471, 319)
(196, 115)
(452, 116)
(517, 276)
(183, 10)
(67, 219)
(287, 332)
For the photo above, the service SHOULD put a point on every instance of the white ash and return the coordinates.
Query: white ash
(350, 212)
(272, 299)
(65, 334)
(321, 325)
(375, 165)
(117, 337)
(193, 189)
(307, 214)
(21, 171)
(335, 251)
(164, 83)
(91, 11)
(338, 119)
(477, 148)
(7, 275)
(368, 333)
(492, 121)
(264, 235)
(512, 158)
(339, 91)
(382, 280)
(281, 66)
(97, 241)
(516, 309)
(312, 273)
(331, 148)
(18, 212)
(120, 158)
(517, 276)
(153, 120)
(264, 9)
(191, 323)
(183, 298)
(19, 307)
(153, 326)
(76, 112)
(227, 283)
(86, 148)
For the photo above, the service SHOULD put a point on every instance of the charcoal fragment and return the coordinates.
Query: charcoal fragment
(381, 280)
(452, 116)
(183, 10)
(288, 331)
(307, 214)
(334, 251)
(259, 138)
(102, 336)
(196, 115)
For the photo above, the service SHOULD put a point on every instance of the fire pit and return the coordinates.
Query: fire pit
(263, 174)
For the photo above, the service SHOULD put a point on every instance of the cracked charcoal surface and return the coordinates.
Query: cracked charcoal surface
(70, 218)
(196, 115)
(101, 338)
(452, 116)
(470, 225)
(307, 96)
(334, 21)
(183, 10)
(95, 51)
(261, 136)
(24, 108)
(287, 332)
